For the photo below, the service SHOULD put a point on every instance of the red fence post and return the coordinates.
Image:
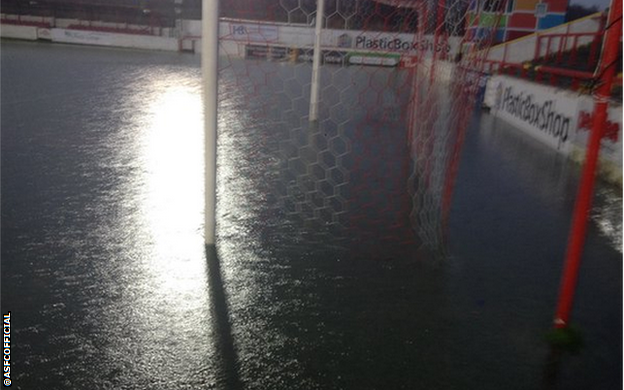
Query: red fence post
(547, 55)
(576, 240)
(561, 48)
(594, 50)
(573, 55)
(505, 53)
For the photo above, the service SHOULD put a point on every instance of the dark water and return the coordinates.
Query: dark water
(109, 285)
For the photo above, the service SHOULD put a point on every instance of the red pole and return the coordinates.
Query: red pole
(576, 240)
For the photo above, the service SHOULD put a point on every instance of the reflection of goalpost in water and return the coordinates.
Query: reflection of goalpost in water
(368, 133)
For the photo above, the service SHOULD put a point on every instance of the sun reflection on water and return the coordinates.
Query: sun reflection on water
(173, 167)
(166, 284)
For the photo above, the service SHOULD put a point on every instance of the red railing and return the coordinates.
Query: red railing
(20, 22)
(556, 54)
(562, 40)
(546, 74)
(560, 59)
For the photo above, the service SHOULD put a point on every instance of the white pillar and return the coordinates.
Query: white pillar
(314, 91)
(209, 61)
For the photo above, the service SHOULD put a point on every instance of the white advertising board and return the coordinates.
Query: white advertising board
(44, 33)
(18, 32)
(249, 32)
(302, 36)
(114, 39)
(611, 144)
(392, 43)
(84, 37)
(545, 113)
(560, 119)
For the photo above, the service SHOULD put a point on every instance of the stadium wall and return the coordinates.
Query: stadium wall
(28, 33)
(238, 35)
(557, 118)
(113, 39)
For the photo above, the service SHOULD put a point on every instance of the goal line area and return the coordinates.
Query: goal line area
(360, 129)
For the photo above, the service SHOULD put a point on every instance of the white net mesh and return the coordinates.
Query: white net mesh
(397, 86)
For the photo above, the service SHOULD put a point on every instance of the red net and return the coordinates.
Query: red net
(397, 85)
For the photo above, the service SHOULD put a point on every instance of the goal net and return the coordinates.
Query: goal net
(358, 146)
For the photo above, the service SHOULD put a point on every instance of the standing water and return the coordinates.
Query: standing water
(109, 286)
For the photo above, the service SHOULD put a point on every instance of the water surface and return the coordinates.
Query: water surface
(109, 284)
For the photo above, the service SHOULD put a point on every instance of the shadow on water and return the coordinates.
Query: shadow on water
(224, 342)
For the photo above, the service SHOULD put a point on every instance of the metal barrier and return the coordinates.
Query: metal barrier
(557, 60)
